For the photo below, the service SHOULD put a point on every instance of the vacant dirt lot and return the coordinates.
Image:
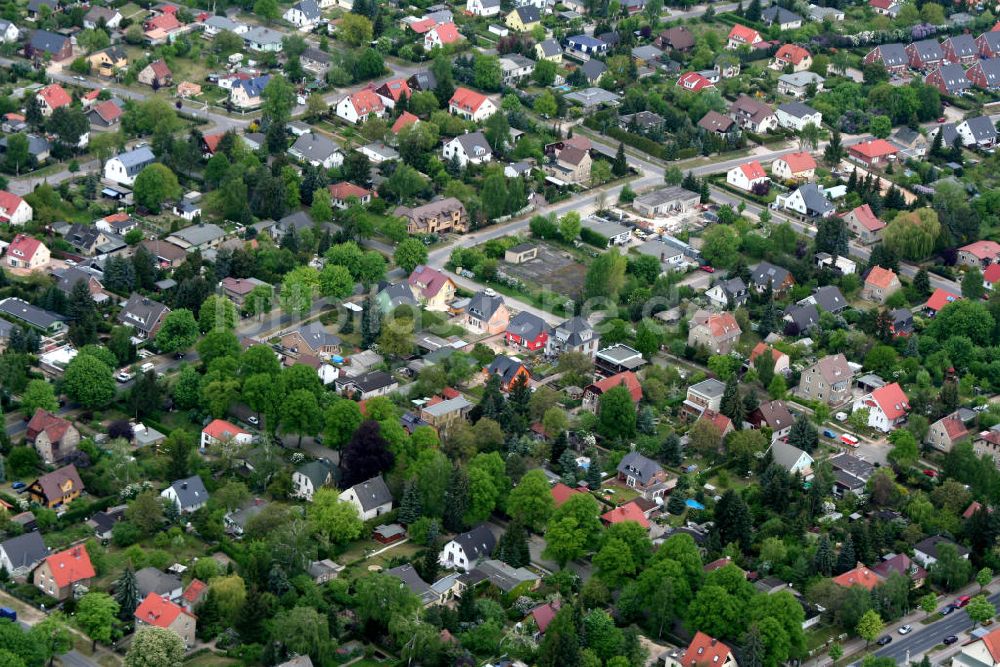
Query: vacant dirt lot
(554, 269)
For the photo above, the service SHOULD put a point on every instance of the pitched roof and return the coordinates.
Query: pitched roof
(798, 162)
(722, 326)
(190, 491)
(786, 455)
(476, 543)
(561, 493)
(157, 610)
(753, 170)
(762, 347)
(365, 101)
(954, 426)
(9, 201)
(992, 643)
(341, 191)
(874, 148)
(719, 420)
(714, 121)
(880, 277)
(543, 615)
(70, 566)
(694, 81)
(867, 218)
(505, 367)
(24, 246)
(428, 280)
(891, 400)
(941, 298)
(834, 368)
(627, 512)
(53, 426)
(194, 590)
(447, 33)
(792, 53)
(744, 34)
(55, 96)
(775, 414)
(467, 100)
(405, 120)
(108, 110)
(628, 379)
(982, 250)
(765, 274)
(527, 326)
(25, 551)
(705, 650)
(859, 576)
(51, 483)
(222, 430)
(372, 493)
(483, 305)
(640, 467)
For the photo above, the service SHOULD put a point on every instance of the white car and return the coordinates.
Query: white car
(905, 630)
(124, 376)
(841, 416)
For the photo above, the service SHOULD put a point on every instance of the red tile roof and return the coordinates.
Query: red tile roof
(753, 170)
(165, 22)
(194, 590)
(157, 610)
(992, 273)
(799, 162)
(891, 400)
(396, 89)
(880, 277)
(92, 95)
(627, 378)
(954, 427)
(881, 4)
(874, 148)
(44, 421)
(561, 493)
(26, 245)
(420, 27)
(744, 34)
(341, 191)
(9, 201)
(543, 615)
(705, 650)
(761, 347)
(722, 325)
(720, 421)
(108, 111)
(982, 249)
(859, 576)
(467, 100)
(627, 512)
(428, 280)
(366, 101)
(220, 429)
(867, 218)
(450, 393)
(992, 644)
(940, 299)
(974, 507)
(70, 566)
(212, 141)
(55, 96)
(160, 69)
(447, 33)
(405, 120)
(694, 81)
(792, 53)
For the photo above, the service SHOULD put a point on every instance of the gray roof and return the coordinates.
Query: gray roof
(67, 278)
(309, 8)
(5, 329)
(765, 274)
(136, 159)
(43, 40)
(779, 15)
(221, 23)
(477, 543)
(593, 69)
(991, 70)
(372, 380)
(928, 49)
(505, 367)
(474, 144)
(528, 14)
(151, 580)
(785, 455)
(801, 79)
(33, 315)
(142, 312)
(797, 109)
(25, 551)
(190, 491)
(647, 52)
(963, 45)
(982, 128)
(482, 305)
(200, 234)
(298, 221)
(316, 471)
(816, 202)
(804, 317)
(893, 54)
(591, 97)
(316, 335)
(412, 581)
(261, 35)
(447, 407)
(241, 516)
(503, 576)
(550, 47)
(853, 465)
(373, 493)
(638, 466)
(526, 325)
(397, 294)
(829, 299)
(710, 388)
(953, 77)
(930, 546)
(314, 146)
(316, 56)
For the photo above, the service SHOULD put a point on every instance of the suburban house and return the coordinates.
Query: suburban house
(441, 413)
(901, 564)
(946, 432)
(695, 82)
(863, 222)
(980, 651)
(880, 284)
(57, 488)
(441, 35)
(782, 362)
(264, 40)
(925, 551)
(794, 166)
(797, 84)
(310, 478)
(154, 580)
(52, 97)
(527, 331)
(486, 313)
(370, 499)
(766, 276)
(312, 339)
(741, 35)
(13, 209)
(53, 437)
(188, 495)
(727, 294)
(466, 149)
(573, 335)
(341, 193)
(367, 385)
(587, 45)
(318, 150)
(102, 17)
(858, 576)
(465, 549)
(443, 216)
(703, 650)
(781, 17)
(678, 38)
(221, 432)
(509, 370)
(747, 176)
(158, 611)
(124, 167)
(790, 55)
(360, 106)
(304, 15)
(979, 253)
(523, 19)
(978, 132)
(432, 288)
(925, 54)
(664, 201)
(718, 332)
(471, 105)
(753, 114)
(828, 380)
(873, 152)
(887, 407)
(775, 416)
(572, 165)
(27, 253)
(616, 359)
(62, 574)
(642, 474)
(247, 93)
(549, 49)
(238, 290)
(808, 200)
(592, 393)
(19, 555)
(143, 315)
(792, 459)
(43, 43)
(483, 7)
(796, 115)
(156, 75)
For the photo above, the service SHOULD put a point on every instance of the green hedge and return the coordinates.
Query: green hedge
(639, 142)
(593, 238)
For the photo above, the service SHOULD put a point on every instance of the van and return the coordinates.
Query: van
(146, 367)
(8, 613)
(850, 440)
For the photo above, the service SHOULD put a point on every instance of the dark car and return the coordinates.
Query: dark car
(948, 609)
(882, 641)
(19, 486)
(949, 640)
(178, 355)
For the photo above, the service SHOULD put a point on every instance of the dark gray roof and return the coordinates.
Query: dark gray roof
(797, 109)
(636, 465)
(309, 8)
(412, 581)
(785, 455)
(477, 543)
(25, 551)
(948, 132)
(298, 221)
(483, 305)
(765, 274)
(954, 78)
(982, 128)
(67, 278)
(593, 69)
(804, 317)
(36, 5)
(33, 315)
(151, 580)
(316, 335)
(373, 493)
(928, 49)
(528, 14)
(963, 45)
(930, 546)
(526, 325)
(734, 287)
(315, 55)
(893, 54)
(575, 325)
(190, 491)
(372, 381)
(550, 47)
(505, 367)
(830, 299)
(136, 159)
(474, 144)
(43, 40)
(423, 81)
(142, 313)
(853, 466)
(313, 146)
(316, 471)
(991, 70)
(816, 201)
(779, 15)
(397, 294)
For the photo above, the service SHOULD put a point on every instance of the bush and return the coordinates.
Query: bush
(593, 238)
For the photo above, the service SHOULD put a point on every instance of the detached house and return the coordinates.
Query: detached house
(53, 437)
(747, 176)
(304, 15)
(727, 294)
(874, 152)
(523, 19)
(979, 253)
(880, 284)
(753, 115)
(370, 499)
(19, 555)
(741, 35)
(796, 115)
(794, 166)
(188, 495)
(311, 477)
(828, 380)
(156, 75)
(142, 314)
(443, 216)
(978, 132)
(462, 552)
(57, 488)
(887, 407)
(572, 165)
(808, 200)
(471, 148)
(441, 35)
(52, 97)
(360, 106)
(14, 211)
(864, 224)
(125, 167)
(644, 475)
(318, 150)
(27, 253)
(246, 94)
(790, 55)
(471, 105)
(703, 650)
(432, 288)
(160, 612)
(43, 43)
(62, 574)
(766, 275)
(718, 332)
(775, 416)
(782, 363)
(486, 313)
(946, 432)
(573, 335)
(221, 432)
(792, 459)
(482, 7)
(510, 371)
(526, 331)
(592, 394)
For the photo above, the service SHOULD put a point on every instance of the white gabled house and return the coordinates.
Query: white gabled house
(360, 106)
(471, 105)
(13, 209)
(466, 549)
(370, 499)
(304, 15)
(483, 7)
(468, 149)
(747, 176)
(887, 407)
(125, 167)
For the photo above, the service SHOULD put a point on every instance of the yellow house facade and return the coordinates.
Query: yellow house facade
(523, 19)
(107, 61)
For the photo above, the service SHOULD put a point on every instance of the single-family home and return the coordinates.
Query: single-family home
(593, 392)
(486, 313)
(318, 150)
(360, 106)
(809, 200)
(827, 381)
(160, 612)
(926, 551)
(978, 132)
(880, 284)
(523, 18)
(265, 40)
(873, 152)
(694, 81)
(796, 115)
(27, 253)
(782, 362)
(43, 43)
(222, 432)
(791, 55)
(125, 167)
(887, 407)
(549, 49)
(740, 35)
(946, 432)
(792, 459)
(441, 35)
(797, 84)
(465, 549)
(781, 17)
(860, 575)
(143, 315)
(311, 477)
(753, 114)
(863, 222)
(367, 385)
(53, 437)
(370, 499)
(14, 210)
(304, 15)
(52, 97)
(154, 580)
(704, 396)
(770, 276)
(483, 7)
(392, 91)
(509, 370)
(587, 45)
(794, 166)
(727, 294)
(62, 574)
(19, 555)
(248, 93)
(471, 105)
(703, 650)
(718, 332)
(893, 57)
(979, 254)
(59, 487)
(526, 331)
(747, 176)
(156, 75)
(466, 149)
(775, 416)
(188, 495)
(573, 335)
(443, 216)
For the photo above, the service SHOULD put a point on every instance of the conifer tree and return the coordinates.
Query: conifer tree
(127, 594)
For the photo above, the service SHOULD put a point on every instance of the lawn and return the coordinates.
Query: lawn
(209, 659)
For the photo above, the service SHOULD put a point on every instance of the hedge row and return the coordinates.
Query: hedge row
(593, 238)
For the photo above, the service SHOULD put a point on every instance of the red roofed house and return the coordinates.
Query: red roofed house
(60, 573)
(979, 253)
(13, 209)
(194, 594)
(471, 105)
(420, 27)
(740, 35)
(54, 438)
(593, 393)
(723, 423)
(360, 106)
(794, 166)
(441, 35)
(210, 143)
(52, 97)
(982, 651)
(884, 7)
(719, 332)
(694, 81)
(946, 432)
(973, 507)
(105, 114)
(158, 611)
(790, 54)
(561, 493)
(405, 120)
(341, 192)
(904, 565)
(432, 288)
(543, 614)
(782, 363)
(26, 252)
(156, 75)
(859, 576)
(627, 512)
(880, 285)
(221, 432)
(392, 91)
(865, 224)
(873, 152)
(887, 407)
(747, 176)
(705, 651)
(939, 300)
(991, 276)
(160, 26)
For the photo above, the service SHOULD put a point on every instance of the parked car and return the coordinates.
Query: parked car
(882, 641)
(830, 434)
(7, 612)
(124, 376)
(930, 473)
(905, 630)
(707, 269)
(961, 601)
(949, 640)
(19, 486)
(947, 609)
(253, 420)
